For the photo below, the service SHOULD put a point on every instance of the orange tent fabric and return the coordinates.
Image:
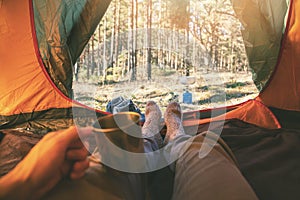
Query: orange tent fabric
(283, 90)
(252, 111)
(25, 85)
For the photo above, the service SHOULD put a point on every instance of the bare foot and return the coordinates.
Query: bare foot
(151, 127)
(173, 120)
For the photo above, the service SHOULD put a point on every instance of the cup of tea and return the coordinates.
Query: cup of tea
(118, 136)
(119, 141)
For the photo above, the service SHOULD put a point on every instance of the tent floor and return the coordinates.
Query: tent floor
(268, 159)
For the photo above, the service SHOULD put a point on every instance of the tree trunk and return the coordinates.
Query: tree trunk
(129, 39)
(88, 62)
(117, 30)
(93, 64)
(104, 52)
(149, 27)
(76, 69)
(98, 51)
(112, 40)
(134, 18)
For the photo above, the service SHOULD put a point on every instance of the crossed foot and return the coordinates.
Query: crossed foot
(173, 120)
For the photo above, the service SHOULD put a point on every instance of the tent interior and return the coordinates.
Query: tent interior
(40, 41)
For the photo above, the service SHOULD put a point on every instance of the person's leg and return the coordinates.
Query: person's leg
(160, 182)
(104, 182)
(215, 176)
(151, 128)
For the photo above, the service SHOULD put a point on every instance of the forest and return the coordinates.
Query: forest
(184, 35)
(138, 40)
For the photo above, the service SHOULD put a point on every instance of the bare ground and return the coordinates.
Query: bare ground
(210, 90)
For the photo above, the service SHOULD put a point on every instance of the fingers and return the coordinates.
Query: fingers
(77, 144)
(77, 154)
(81, 162)
(73, 134)
(79, 168)
(69, 142)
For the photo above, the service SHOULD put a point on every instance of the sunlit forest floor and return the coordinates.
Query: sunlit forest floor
(210, 90)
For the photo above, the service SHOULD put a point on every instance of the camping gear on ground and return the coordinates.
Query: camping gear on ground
(120, 104)
(187, 97)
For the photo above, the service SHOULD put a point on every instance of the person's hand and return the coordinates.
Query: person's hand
(58, 155)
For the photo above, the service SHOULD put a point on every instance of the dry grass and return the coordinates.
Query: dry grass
(209, 91)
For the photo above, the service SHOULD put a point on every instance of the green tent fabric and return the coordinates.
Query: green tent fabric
(63, 27)
(263, 28)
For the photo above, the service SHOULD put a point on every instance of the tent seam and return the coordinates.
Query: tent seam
(42, 66)
(282, 47)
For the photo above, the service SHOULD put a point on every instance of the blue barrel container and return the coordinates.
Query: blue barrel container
(187, 97)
